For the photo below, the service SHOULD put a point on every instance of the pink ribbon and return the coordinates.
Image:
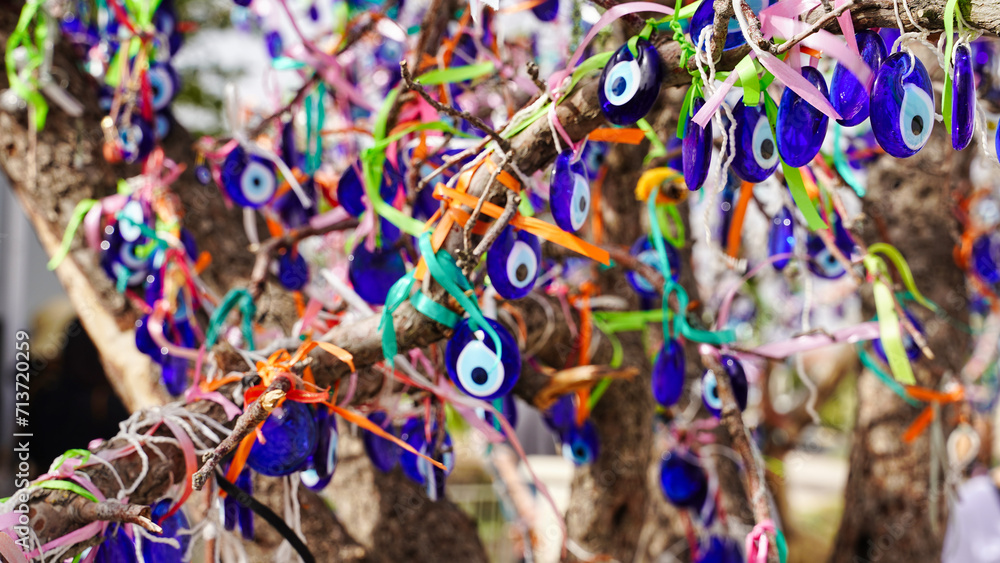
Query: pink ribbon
(10, 550)
(757, 542)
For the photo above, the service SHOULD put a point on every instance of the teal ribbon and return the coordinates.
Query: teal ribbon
(236, 297)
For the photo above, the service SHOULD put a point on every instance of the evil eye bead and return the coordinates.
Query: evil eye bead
(546, 11)
(630, 83)
(643, 250)
(164, 84)
(373, 273)
(293, 271)
(570, 196)
(561, 415)
(234, 513)
(383, 453)
(507, 408)
(668, 373)
(720, 550)
(419, 469)
(162, 124)
(756, 155)
(122, 259)
(800, 127)
(986, 258)
(904, 103)
(847, 95)
(350, 190)
(704, 17)
(737, 379)
(781, 239)
(249, 180)
(157, 552)
(683, 480)
(473, 364)
(580, 444)
(134, 215)
(274, 44)
(135, 140)
(513, 262)
(822, 261)
(173, 372)
(963, 99)
(319, 467)
(909, 345)
(696, 149)
(291, 435)
(117, 547)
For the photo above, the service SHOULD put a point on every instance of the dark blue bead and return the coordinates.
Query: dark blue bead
(154, 552)
(646, 253)
(417, 468)
(904, 100)
(244, 515)
(704, 17)
(143, 341)
(683, 481)
(847, 95)
(173, 371)
(472, 362)
(756, 155)
(580, 444)
(163, 83)
(720, 550)
(910, 345)
(986, 258)
(313, 12)
(800, 127)
(291, 436)
(319, 468)
(561, 414)
(350, 190)
(547, 11)
(203, 174)
(275, 46)
(293, 271)
(668, 373)
(120, 258)
(677, 163)
(289, 207)
(781, 240)
(889, 36)
(116, 547)
(696, 151)
(513, 263)
(425, 206)
(289, 153)
(243, 3)
(383, 453)
(737, 380)
(570, 194)
(508, 409)
(373, 273)
(630, 84)
(963, 99)
(249, 180)
(822, 261)
(135, 140)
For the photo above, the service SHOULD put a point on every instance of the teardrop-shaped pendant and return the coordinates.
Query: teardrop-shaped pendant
(904, 100)
(290, 434)
(668, 373)
(683, 480)
(782, 237)
(756, 155)
(630, 84)
(847, 95)
(963, 99)
(800, 127)
(696, 149)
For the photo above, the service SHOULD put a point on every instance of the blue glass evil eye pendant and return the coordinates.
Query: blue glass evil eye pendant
(696, 149)
(318, 469)
(249, 180)
(963, 99)
(156, 552)
(291, 435)
(630, 83)
(904, 101)
(472, 361)
(800, 127)
(644, 251)
(704, 17)
(513, 262)
(135, 140)
(580, 444)
(293, 271)
(756, 155)
(163, 83)
(986, 258)
(847, 95)
(738, 381)
(668, 373)
(372, 273)
(822, 261)
(720, 550)
(570, 195)
(683, 480)
(547, 11)
(383, 453)
(417, 468)
(117, 547)
(781, 239)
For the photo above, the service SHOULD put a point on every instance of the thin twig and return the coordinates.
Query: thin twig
(754, 27)
(513, 201)
(451, 161)
(404, 70)
(116, 511)
(245, 424)
(820, 24)
(267, 250)
(533, 73)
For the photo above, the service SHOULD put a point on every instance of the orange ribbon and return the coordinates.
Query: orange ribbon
(927, 416)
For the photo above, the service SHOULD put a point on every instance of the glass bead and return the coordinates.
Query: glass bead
(800, 127)
(904, 100)
(569, 197)
(373, 273)
(847, 95)
(630, 84)
(513, 263)
(696, 150)
(963, 99)
(291, 435)
(756, 155)
(668, 373)
(472, 362)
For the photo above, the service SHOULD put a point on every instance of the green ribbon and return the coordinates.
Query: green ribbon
(79, 213)
(70, 454)
(315, 119)
(455, 74)
(61, 485)
(235, 297)
(888, 322)
(434, 310)
(793, 177)
(398, 293)
(872, 365)
(27, 88)
(843, 167)
(949, 53)
(894, 256)
(657, 148)
(676, 240)
(747, 71)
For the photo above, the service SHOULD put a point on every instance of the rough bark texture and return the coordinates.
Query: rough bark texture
(888, 512)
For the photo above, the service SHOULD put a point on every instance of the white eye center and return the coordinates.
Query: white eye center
(522, 265)
(622, 82)
(580, 204)
(258, 183)
(710, 390)
(162, 86)
(130, 221)
(131, 138)
(916, 116)
(649, 258)
(764, 150)
(479, 369)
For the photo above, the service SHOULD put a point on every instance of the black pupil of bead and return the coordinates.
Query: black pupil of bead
(579, 452)
(618, 86)
(767, 149)
(521, 272)
(917, 125)
(582, 203)
(479, 375)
